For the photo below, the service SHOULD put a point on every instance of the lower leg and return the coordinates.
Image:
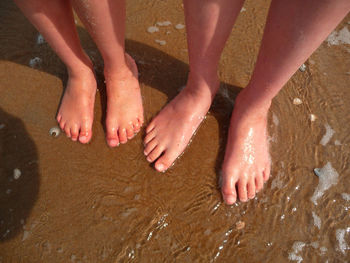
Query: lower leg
(105, 21)
(209, 24)
(55, 22)
(294, 29)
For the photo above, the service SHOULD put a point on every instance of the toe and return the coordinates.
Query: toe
(74, 131)
(85, 133)
(59, 117)
(130, 132)
(259, 183)
(266, 173)
(167, 159)
(242, 191)
(150, 127)
(251, 189)
(157, 151)
(62, 124)
(150, 136)
(228, 189)
(122, 135)
(67, 130)
(150, 146)
(136, 126)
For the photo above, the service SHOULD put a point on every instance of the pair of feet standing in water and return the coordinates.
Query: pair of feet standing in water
(246, 165)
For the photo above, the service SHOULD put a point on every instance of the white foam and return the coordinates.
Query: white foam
(345, 196)
(294, 255)
(328, 135)
(164, 23)
(152, 29)
(275, 119)
(180, 26)
(328, 176)
(340, 235)
(34, 62)
(160, 42)
(317, 220)
(341, 37)
(337, 143)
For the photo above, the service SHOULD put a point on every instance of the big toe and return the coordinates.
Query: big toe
(165, 161)
(85, 133)
(228, 189)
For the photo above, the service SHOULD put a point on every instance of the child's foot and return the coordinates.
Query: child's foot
(75, 115)
(124, 103)
(247, 162)
(170, 131)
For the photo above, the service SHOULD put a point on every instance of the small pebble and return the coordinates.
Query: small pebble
(240, 225)
(55, 131)
(34, 62)
(160, 42)
(313, 117)
(17, 173)
(180, 26)
(40, 40)
(302, 68)
(152, 29)
(297, 101)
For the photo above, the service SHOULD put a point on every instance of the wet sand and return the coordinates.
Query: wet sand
(89, 203)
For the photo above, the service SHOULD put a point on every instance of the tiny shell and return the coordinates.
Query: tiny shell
(297, 101)
(55, 131)
(302, 68)
(313, 117)
(17, 173)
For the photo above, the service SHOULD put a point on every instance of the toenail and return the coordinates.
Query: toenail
(82, 137)
(230, 199)
(113, 143)
(149, 159)
(160, 167)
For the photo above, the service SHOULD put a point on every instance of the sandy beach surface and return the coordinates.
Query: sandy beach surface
(61, 201)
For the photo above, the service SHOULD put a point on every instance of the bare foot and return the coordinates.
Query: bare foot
(75, 115)
(124, 103)
(170, 131)
(247, 161)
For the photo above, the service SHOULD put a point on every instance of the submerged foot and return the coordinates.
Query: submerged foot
(124, 103)
(170, 131)
(247, 162)
(75, 115)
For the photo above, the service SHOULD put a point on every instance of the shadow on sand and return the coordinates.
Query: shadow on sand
(158, 70)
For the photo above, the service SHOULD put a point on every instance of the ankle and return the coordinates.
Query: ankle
(249, 102)
(203, 84)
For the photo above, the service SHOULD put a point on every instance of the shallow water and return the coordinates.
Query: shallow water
(90, 203)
